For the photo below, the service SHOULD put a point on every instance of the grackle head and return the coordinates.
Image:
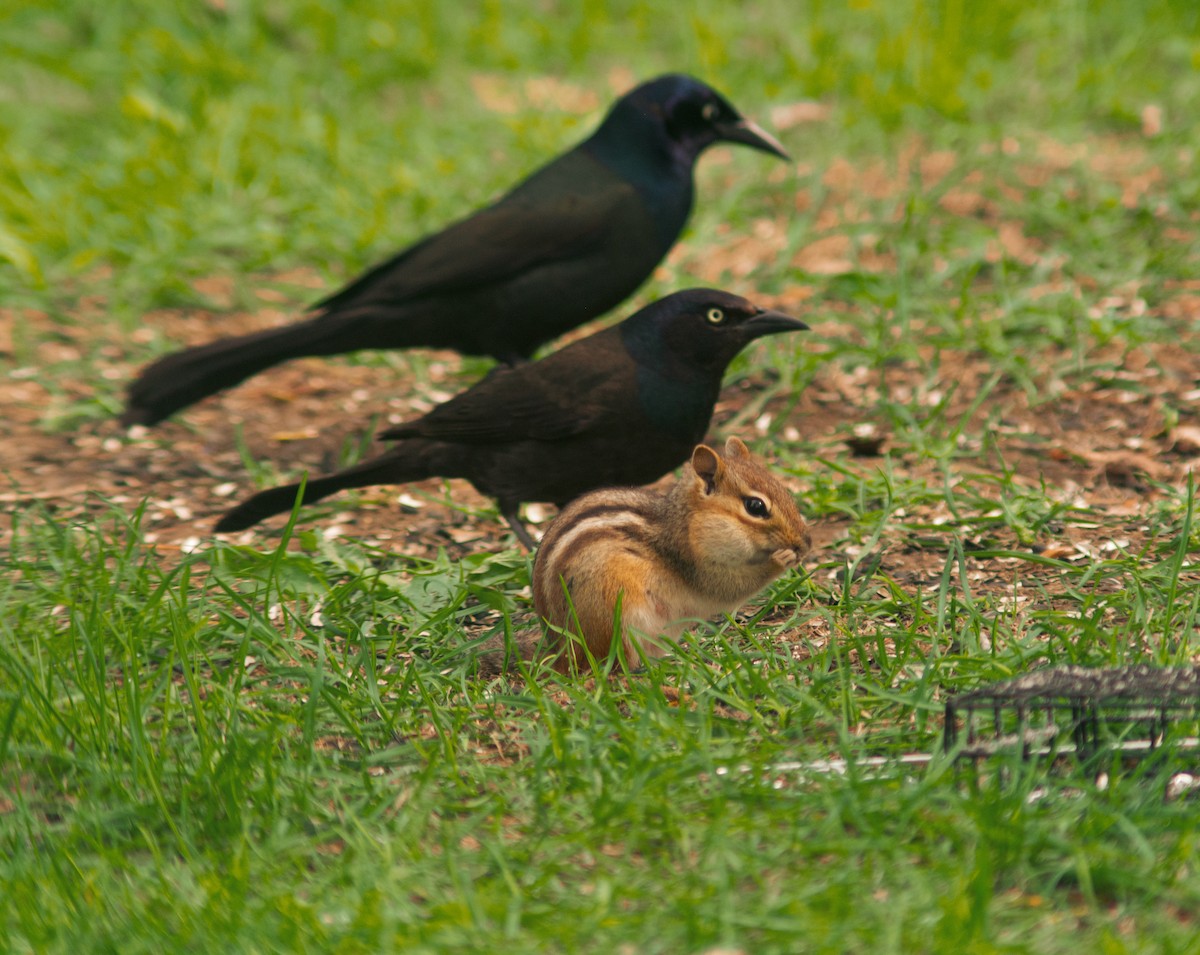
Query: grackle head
(694, 115)
(699, 328)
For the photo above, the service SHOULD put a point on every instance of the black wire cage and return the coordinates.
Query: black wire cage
(1083, 711)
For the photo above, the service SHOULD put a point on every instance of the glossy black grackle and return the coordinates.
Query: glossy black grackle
(566, 245)
(622, 406)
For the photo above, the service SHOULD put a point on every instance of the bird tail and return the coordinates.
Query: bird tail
(184, 377)
(387, 468)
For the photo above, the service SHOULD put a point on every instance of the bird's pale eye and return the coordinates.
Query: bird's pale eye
(756, 507)
(715, 316)
(710, 111)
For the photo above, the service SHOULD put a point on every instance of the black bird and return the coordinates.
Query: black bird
(570, 242)
(622, 406)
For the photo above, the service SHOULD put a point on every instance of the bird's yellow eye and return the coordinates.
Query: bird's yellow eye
(710, 111)
(715, 316)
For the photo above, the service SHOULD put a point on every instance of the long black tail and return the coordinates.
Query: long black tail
(184, 377)
(392, 467)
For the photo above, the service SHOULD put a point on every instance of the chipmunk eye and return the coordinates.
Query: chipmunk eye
(755, 506)
(715, 316)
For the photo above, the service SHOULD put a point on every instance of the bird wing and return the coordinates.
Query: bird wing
(514, 236)
(558, 397)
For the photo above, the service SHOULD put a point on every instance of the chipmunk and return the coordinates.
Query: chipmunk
(644, 562)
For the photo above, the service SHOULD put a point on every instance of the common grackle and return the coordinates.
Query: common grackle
(566, 245)
(622, 406)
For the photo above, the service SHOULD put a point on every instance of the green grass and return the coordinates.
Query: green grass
(287, 747)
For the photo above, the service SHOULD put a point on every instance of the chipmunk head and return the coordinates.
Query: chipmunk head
(742, 513)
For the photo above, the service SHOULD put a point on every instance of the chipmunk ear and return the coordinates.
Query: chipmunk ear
(736, 448)
(707, 465)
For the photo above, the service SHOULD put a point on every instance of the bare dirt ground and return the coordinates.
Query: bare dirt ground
(1109, 443)
(1114, 442)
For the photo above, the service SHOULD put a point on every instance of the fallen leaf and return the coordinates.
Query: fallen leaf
(1185, 438)
(793, 114)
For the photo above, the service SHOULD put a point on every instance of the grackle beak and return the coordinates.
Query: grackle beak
(771, 323)
(750, 134)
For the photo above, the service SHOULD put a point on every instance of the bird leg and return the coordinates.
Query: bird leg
(518, 528)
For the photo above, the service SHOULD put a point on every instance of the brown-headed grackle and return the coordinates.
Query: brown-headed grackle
(622, 406)
(566, 245)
